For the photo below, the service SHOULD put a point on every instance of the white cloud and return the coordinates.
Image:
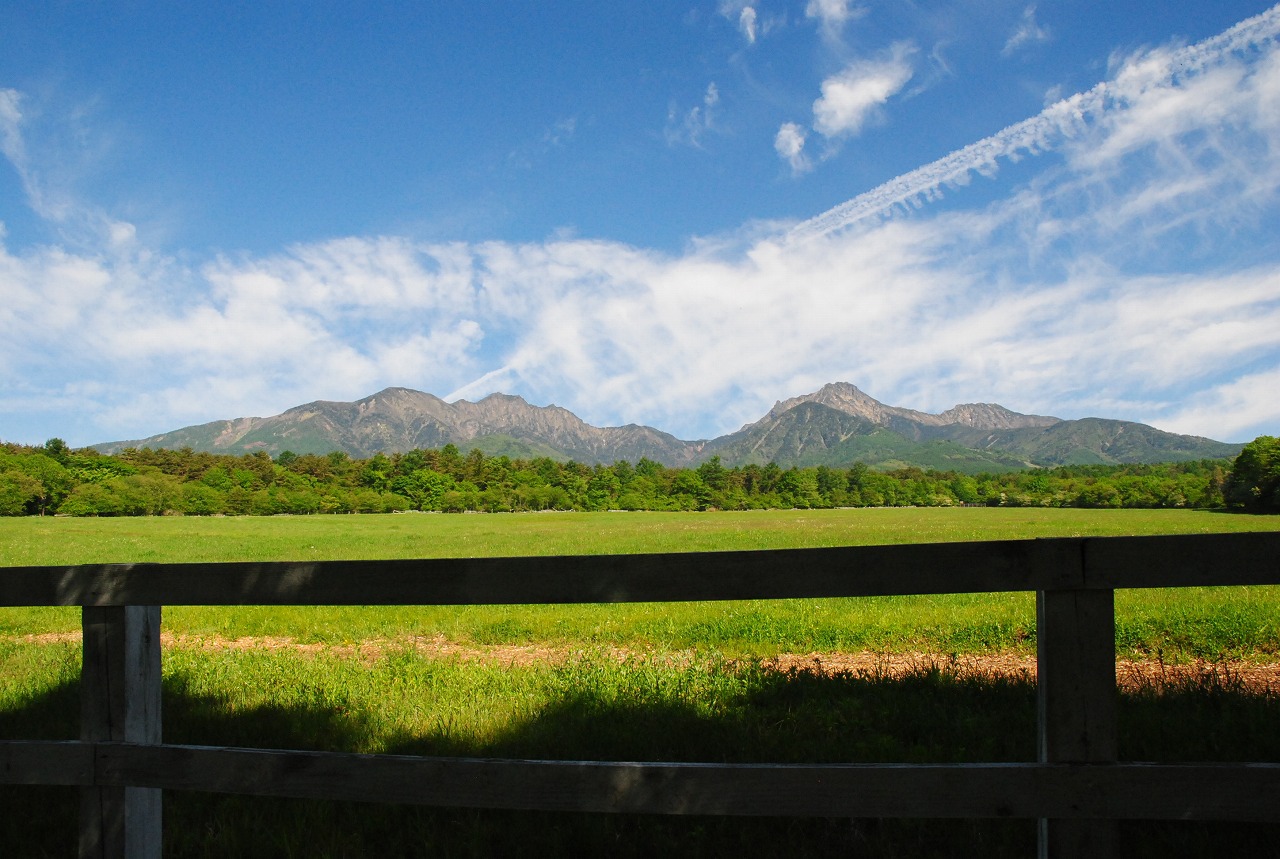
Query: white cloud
(11, 142)
(852, 97)
(1235, 410)
(690, 126)
(1056, 298)
(1068, 119)
(832, 15)
(50, 195)
(789, 144)
(743, 14)
(747, 24)
(1028, 32)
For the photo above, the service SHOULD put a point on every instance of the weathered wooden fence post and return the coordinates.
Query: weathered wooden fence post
(1076, 656)
(120, 702)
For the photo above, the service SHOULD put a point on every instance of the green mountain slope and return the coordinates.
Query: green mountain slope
(814, 434)
(835, 426)
(1089, 441)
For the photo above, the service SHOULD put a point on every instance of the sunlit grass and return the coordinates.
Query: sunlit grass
(1177, 624)
(687, 688)
(50, 540)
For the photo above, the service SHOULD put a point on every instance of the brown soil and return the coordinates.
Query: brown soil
(1130, 674)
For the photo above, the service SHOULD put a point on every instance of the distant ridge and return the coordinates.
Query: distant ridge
(847, 398)
(835, 425)
(400, 419)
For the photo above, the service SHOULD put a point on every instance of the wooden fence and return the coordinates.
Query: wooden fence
(1076, 789)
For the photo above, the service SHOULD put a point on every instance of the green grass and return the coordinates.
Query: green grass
(1177, 624)
(50, 540)
(683, 695)
(649, 708)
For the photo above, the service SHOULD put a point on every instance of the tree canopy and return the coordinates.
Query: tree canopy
(54, 479)
(1254, 482)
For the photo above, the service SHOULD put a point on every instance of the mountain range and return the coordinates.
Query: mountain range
(836, 425)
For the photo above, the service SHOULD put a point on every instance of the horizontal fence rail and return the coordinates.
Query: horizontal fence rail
(1001, 790)
(1100, 563)
(1076, 789)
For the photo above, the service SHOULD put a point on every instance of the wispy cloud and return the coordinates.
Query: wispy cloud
(558, 135)
(742, 13)
(688, 127)
(1057, 297)
(1236, 409)
(1057, 123)
(832, 15)
(50, 196)
(11, 142)
(747, 24)
(561, 132)
(789, 144)
(1028, 32)
(851, 98)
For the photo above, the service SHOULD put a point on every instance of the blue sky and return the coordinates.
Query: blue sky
(663, 213)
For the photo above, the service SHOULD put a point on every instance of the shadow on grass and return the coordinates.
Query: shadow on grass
(929, 715)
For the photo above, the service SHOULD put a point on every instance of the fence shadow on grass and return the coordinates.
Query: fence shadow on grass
(931, 714)
(41, 821)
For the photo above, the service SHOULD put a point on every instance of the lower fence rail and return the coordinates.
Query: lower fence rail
(1110, 791)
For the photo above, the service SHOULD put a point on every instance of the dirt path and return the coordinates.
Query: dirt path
(1130, 674)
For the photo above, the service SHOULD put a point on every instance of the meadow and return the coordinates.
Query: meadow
(1179, 624)
(682, 681)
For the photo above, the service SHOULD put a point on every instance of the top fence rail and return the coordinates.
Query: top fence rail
(1073, 563)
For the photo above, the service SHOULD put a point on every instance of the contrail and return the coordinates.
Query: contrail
(1040, 133)
(480, 384)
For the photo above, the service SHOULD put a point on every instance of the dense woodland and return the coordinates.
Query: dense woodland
(54, 479)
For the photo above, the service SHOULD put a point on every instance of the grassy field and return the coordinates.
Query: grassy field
(49, 540)
(688, 688)
(1181, 624)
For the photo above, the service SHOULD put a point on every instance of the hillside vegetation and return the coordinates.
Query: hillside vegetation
(56, 480)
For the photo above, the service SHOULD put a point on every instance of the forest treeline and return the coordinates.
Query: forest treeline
(54, 479)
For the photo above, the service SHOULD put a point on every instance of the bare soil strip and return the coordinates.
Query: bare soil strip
(1131, 674)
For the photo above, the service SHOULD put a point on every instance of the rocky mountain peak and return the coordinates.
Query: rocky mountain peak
(847, 398)
(992, 416)
(836, 425)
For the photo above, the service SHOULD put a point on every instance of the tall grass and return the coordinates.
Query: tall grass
(690, 689)
(1178, 624)
(595, 707)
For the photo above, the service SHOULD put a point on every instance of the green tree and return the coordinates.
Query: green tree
(424, 488)
(688, 492)
(202, 500)
(217, 478)
(1254, 481)
(376, 473)
(91, 499)
(54, 480)
(646, 467)
(261, 464)
(17, 491)
(147, 494)
(474, 466)
(57, 448)
(603, 488)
